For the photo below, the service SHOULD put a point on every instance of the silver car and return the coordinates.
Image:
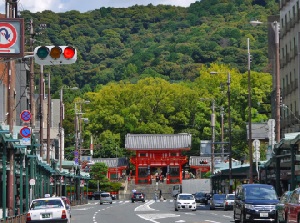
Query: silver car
(217, 201)
(105, 198)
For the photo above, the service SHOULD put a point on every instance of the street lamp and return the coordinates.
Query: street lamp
(229, 128)
(275, 26)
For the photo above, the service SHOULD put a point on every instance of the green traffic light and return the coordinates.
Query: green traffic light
(42, 52)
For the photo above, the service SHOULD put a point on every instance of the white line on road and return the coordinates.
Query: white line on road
(145, 207)
(153, 217)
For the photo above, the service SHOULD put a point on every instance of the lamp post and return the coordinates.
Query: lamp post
(275, 26)
(249, 117)
(229, 128)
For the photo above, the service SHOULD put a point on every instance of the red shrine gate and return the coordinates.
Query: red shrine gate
(158, 154)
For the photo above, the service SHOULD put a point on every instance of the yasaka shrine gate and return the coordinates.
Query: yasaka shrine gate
(158, 154)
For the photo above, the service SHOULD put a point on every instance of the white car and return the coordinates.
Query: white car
(50, 209)
(229, 201)
(185, 201)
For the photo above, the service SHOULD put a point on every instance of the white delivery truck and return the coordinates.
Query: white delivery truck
(192, 186)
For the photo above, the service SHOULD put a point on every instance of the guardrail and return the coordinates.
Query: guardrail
(15, 219)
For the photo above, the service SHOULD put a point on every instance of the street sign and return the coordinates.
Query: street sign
(25, 141)
(32, 182)
(25, 116)
(11, 37)
(25, 132)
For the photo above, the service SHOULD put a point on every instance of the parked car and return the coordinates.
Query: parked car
(255, 202)
(201, 197)
(185, 202)
(49, 209)
(281, 207)
(228, 202)
(217, 201)
(137, 196)
(96, 195)
(292, 209)
(105, 198)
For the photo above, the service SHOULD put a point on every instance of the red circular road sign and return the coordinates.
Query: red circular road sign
(8, 35)
(25, 132)
(25, 115)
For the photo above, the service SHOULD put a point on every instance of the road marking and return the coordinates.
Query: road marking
(212, 221)
(153, 217)
(180, 221)
(145, 207)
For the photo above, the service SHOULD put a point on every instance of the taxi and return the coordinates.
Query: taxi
(48, 209)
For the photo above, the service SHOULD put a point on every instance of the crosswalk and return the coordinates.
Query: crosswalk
(129, 201)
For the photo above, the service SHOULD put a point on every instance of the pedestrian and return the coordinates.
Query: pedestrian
(160, 193)
(155, 196)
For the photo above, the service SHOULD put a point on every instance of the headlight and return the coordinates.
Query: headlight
(249, 206)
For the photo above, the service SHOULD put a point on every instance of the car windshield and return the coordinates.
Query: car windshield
(105, 195)
(185, 197)
(261, 193)
(199, 195)
(219, 197)
(45, 204)
(230, 197)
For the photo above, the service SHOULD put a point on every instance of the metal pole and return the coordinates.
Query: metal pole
(250, 118)
(277, 116)
(60, 133)
(48, 120)
(41, 108)
(222, 132)
(31, 88)
(212, 157)
(230, 140)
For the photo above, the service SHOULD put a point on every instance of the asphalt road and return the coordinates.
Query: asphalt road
(150, 211)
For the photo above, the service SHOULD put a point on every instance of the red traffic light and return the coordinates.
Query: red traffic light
(69, 52)
(55, 55)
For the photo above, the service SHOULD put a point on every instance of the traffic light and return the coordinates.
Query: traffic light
(55, 55)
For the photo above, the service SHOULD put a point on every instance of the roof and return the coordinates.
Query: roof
(112, 162)
(181, 141)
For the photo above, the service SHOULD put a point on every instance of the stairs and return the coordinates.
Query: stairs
(148, 189)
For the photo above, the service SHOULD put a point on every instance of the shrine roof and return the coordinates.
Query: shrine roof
(182, 141)
(112, 162)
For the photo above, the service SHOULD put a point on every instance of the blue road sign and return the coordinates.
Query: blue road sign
(25, 132)
(25, 115)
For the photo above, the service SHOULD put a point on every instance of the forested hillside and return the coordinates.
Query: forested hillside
(146, 69)
(155, 41)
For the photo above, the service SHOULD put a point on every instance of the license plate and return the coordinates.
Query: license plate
(263, 214)
(45, 215)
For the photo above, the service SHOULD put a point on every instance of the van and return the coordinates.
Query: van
(176, 189)
(255, 202)
(105, 198)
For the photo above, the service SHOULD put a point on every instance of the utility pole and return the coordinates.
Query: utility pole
(11, 6)
(222, 132)
(212, 156)
(48, 120)
(31, 86)
(277, 63)
(250, 118)
(41, 109)
(230, 139)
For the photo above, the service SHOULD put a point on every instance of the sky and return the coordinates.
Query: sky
(86, 5)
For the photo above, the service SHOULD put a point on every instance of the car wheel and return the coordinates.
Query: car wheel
(225, 209)
(243, 220)
(235, 219)
(100, 203)
(132, 201)
(143, 200)
(211, 208)
(194, 209)
(176, 209)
